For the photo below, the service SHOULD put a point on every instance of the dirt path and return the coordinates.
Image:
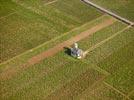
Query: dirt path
(59, 47)
(52, 51)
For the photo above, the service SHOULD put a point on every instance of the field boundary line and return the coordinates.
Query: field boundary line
(94, 85)
(40, 12)
(110, 86)
(105, 40)
(97, 68)
(52, 51)
(30, 8)
(54, 39)
(70, 80)
(55, 49)
(50, 2)
(7, 15)
(109, 12)
(34, 9)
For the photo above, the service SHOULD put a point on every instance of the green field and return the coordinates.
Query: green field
(123, 8)
(27, 28)
(31, 27)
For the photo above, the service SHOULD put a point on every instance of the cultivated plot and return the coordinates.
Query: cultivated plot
(106, 73)
(48, 76)
(24, 28)
(102, 92)
(123, 8)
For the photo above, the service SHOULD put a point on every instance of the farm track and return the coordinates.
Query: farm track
(109, 12)
(59, 47)
(52, 51)
(67, 88)
(54, 39)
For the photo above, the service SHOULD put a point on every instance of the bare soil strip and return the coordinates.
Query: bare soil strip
(54, 39)
(116, 90)
(52, 51)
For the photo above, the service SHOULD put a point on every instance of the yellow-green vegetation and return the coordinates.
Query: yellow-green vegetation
(123, 8)
(20, 59)
(101, 35)
(101, 91)
(47, 76)
(26, 26)
(116, 56)
(31, 27)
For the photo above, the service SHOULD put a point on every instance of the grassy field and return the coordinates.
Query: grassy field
(25, 26)
(123, 8)
(32, 27)
(116, 56)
